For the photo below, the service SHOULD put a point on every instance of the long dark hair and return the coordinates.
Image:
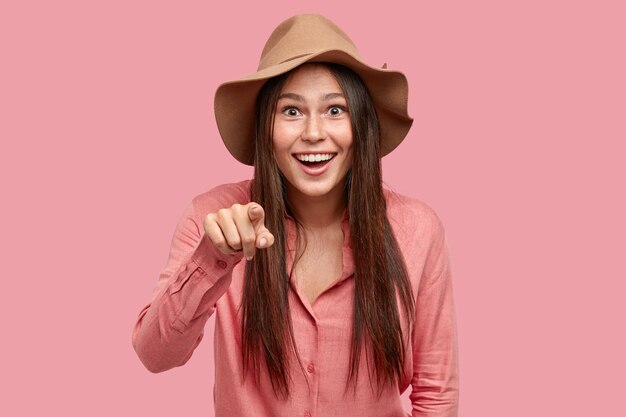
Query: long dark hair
(266, 326)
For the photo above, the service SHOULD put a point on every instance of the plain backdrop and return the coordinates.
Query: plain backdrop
(108, 132)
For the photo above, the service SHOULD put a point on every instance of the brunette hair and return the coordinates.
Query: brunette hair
(380, 270)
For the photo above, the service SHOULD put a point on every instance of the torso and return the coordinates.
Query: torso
(321, 263)
(325, 339)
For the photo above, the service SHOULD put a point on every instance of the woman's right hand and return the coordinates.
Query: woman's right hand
(239, 228)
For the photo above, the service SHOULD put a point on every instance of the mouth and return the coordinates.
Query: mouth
(314, 161)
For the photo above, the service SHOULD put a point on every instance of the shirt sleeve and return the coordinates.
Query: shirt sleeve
(197, 274)
(435, 382)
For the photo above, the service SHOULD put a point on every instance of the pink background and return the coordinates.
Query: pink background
(108, 131)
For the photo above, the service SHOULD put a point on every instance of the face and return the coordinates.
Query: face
(312, 134)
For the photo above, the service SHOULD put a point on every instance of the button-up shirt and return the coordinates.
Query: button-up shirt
(199, 281)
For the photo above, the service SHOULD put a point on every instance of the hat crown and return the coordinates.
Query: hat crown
(303, 35)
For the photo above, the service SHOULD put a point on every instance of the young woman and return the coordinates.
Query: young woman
(332, 294)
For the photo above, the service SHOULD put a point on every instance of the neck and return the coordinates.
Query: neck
(318, 212)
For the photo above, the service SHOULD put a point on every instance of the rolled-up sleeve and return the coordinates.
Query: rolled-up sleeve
(435, 383)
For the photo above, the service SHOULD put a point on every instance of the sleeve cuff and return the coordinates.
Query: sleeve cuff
(213, 262)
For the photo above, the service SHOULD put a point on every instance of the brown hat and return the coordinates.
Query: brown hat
(308, 38)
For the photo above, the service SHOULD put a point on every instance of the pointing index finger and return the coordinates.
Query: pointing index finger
(256, 214)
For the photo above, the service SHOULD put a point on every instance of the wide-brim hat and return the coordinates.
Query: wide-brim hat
(308, 38)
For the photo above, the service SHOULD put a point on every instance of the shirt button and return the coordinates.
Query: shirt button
(310, 368)
(222, 264)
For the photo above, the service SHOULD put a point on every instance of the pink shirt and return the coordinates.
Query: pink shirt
(199, 281)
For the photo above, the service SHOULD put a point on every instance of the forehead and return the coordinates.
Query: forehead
(312, 78)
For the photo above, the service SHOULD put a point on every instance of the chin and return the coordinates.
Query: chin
(317, 190)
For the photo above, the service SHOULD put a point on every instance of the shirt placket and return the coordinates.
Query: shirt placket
(316, 314)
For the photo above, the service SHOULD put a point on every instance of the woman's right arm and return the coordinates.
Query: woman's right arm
(216, 231)
(197, 274)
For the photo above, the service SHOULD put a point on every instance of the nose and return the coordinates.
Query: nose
(313, 129)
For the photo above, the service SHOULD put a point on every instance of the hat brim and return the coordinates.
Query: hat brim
(388, 89)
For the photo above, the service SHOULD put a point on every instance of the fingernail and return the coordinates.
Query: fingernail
(263, 242)
(249, 258)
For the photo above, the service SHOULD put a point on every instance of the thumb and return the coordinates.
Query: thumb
(264, 239)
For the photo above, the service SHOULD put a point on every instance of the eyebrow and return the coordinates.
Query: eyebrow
(298, 97)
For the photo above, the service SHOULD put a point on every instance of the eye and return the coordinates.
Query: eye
(290, 111)
(336, 110)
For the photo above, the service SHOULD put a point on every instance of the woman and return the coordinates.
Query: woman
(345, 295)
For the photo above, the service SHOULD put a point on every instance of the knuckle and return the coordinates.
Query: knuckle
(234, 242)
(223, 213)
(209, 219)
(248, 239)
(218, 241)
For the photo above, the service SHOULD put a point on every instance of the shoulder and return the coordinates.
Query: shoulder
(412, 217)
(222, 196)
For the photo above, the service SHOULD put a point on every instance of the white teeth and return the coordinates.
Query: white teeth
(318, 157)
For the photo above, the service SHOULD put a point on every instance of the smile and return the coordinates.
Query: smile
(317, 157)
(314, 164)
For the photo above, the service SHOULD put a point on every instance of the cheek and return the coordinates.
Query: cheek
(349, 148)
(348, 145)
(281, 152)
(282, 142)
(279, 147)
(343, 133)
(279, 138)
(350, 159)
